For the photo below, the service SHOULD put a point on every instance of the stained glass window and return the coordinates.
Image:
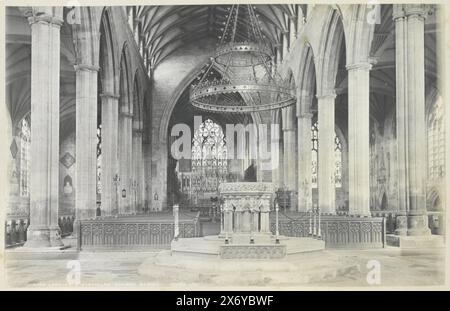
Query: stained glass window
(25, 140)
(209, 157)
(436, 152)
(315, 159)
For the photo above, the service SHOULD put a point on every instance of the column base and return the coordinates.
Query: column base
(401, 224)
(418, 225)
(415, 242)
(43, 237)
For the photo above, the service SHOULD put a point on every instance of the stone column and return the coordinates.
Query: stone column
(110, 103)
(227, 220)
(277, 156)
(289, 152)
(138, 168)
(129, 161)
(411, 125)
(44, 152)
(358, 138)
(265, 215)
(125, 160)
(86, 141)
(147, 183)
(304, 161)
(326, 184)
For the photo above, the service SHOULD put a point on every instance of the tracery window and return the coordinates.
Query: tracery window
(315, 159)
(25, 141)
(209, 157)
(436, 145)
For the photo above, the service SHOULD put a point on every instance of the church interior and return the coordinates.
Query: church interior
(354, 126)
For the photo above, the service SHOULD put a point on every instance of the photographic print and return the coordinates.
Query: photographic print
(230, 145)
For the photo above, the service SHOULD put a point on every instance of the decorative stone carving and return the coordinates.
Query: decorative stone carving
(129, 233)
(244, 187)
(67, 160)
(275, 251)
(246, 206)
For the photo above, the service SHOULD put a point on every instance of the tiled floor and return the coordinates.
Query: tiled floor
(120, 269)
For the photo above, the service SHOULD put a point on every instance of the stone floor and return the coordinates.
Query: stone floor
(121, 269)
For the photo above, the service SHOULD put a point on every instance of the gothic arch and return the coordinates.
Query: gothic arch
(126, 101)
(86, 37)
(168, 109)
(107, 55)
(434, 200)
(359, 33)
(137, 98)
(306, 79)
(328, 59)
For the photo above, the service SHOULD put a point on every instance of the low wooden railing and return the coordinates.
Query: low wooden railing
(337, 231)
(16, 229)
(16, 232)
(65, 223)
(155, 230)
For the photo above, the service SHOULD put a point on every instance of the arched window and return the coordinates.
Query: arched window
(315, 159)
(209, 157)
(25, 140)
(436, 145)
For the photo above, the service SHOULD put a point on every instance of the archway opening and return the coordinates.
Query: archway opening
(192, 183)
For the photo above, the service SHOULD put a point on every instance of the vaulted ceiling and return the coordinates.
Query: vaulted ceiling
(168, 28)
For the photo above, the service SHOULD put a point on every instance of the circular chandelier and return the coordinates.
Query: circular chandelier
(241, 77)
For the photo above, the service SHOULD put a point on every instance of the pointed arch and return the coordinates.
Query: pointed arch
(137, 98)
(306, 80)
(125, 84)
(360, 34)
(86, 37)
(328, 60)
(107, 55)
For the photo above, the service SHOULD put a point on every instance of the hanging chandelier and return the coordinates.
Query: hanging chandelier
(241, 77)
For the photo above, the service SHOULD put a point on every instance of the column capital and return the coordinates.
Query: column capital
(86, 67)
(416, 10)
(398, 12)
(44, 18)
(109, 95)
(402, 11)
(359, 66)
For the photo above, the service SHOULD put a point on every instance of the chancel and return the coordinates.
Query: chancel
(244, 142)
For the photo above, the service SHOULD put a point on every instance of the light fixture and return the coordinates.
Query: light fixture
(241, 77)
